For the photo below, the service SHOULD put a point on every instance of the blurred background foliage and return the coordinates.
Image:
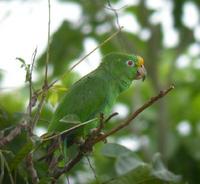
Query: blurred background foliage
(171, 127)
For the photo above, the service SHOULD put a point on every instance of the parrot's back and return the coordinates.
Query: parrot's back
(91, 95)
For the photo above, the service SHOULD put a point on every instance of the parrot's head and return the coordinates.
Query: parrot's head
(130, 67)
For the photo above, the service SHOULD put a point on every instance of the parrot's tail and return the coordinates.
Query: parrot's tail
(51, 148)
(62, 140)
(57, 144)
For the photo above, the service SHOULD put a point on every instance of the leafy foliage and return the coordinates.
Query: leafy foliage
(129, 168)
(158, 129)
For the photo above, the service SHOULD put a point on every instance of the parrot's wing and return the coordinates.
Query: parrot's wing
(84, 101)
(89, 97)
(80, 106)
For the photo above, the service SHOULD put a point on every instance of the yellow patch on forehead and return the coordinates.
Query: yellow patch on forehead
(140, 61)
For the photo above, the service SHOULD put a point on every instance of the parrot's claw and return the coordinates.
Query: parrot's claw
(79, 141)
(93, 131)
(102, 133)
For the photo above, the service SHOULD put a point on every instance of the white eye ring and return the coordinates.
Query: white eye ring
(130, 63)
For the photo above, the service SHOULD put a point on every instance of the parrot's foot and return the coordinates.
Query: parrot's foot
(95, 131)
(102, 133)
(86, 149)
(79, 141)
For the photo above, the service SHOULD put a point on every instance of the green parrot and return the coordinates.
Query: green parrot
(96, 93)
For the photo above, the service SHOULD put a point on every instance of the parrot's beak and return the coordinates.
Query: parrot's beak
(141, 73)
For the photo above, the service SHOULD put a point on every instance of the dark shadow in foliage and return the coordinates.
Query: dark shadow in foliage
(183, 162)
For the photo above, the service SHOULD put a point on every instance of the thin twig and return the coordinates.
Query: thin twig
(31, 99)
(30, 81)
(45, 86)
(68, 181)
(89, 143)
(39, 109)
(135, 114)
(33, 60)
(82, 59)
(69, 130)
(4, 162)
(31, 169)
(111, 116)
(29, 158)
(115, 12)
(23, 124)
(123, 40)
(116, 9)
(14, 133)
(48, 45)
(92, 168)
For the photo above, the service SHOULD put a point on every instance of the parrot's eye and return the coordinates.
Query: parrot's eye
(130, 63)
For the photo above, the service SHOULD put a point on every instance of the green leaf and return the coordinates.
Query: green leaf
(53, 98)
(114, 150)
(126, 163)
(54, 94)
(2, 167)
(21, 155)
(104, 166)
(161, 172)
(22, 61)
(132, 170)
(45, 180)
(140, 175)
(27, 73)
(59, 87)
(27, 68)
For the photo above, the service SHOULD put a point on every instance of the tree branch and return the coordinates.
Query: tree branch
(31, 169)
(135, 114)
(17, 130)
(14, 133)
(32, 124)
(97, 137)
(45, 85)
(48, 44)
(115, 13)
(32, 99)
(32, 102)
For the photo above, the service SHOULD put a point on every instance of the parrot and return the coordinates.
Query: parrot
(96, 93)
(92, 95)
